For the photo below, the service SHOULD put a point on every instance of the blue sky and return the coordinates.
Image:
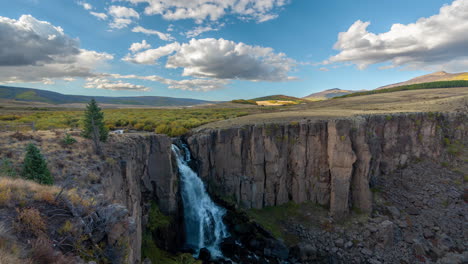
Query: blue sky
(264, 47)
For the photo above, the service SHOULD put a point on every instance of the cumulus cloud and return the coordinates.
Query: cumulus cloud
(162, 36)
(220, 59)
(224, 59)
(139, 46)
(202, 29)
(28, 41)
(37, 51)
(103, 83)
(199, 84)
(101, 16)
(438, 42)
(200, 10)
(85, 5)
(151, 56)
(122, 16)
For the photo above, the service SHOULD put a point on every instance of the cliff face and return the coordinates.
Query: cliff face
(143, 172)
(331, 162)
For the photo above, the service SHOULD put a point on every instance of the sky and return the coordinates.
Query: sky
(227, 49)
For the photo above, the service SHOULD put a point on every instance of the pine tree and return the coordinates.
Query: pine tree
(94, 119)
(35, 166)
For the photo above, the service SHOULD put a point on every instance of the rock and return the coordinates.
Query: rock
(339, 243)
(412, 210)
(366, 251)
(428, 233)
(453, 258)
(204, 254)
(446, 243)
(348, 244)
(418, 248)
(386, 233)
(147, 261)
(304, 252)
(276, 248)
(394, 212)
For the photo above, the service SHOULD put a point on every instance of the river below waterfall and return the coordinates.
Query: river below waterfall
(202, 217)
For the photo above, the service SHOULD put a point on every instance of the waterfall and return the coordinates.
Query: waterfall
(203, 218)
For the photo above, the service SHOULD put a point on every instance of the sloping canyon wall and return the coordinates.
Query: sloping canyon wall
(332, 162)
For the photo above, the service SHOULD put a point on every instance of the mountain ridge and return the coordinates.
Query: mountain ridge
(38, 95)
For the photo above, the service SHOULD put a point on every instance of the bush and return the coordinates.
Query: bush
(7, 168)
(30, 220)
(68, 140)
(35, 166)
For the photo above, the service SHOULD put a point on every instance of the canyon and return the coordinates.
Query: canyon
(331, 162)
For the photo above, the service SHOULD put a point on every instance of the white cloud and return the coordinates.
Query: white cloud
(101, 16)
(139, 46)
(122, 11)
(438, 42)
(103, 83)
(152, 55)
(122, 16)
(202, 29)
(224, 59)
(162, 36)
(200, 10)
(202, 85)
(119, 23)
(85, 5)
(170, 28)
(37, 51)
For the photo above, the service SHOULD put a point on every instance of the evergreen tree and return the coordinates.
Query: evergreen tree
(35, 166)
(94, 115)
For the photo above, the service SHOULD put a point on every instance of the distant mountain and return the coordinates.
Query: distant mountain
(36, 95)
(433, 77)
(330, 93)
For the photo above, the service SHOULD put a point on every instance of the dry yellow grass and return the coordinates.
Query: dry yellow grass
(274, 103)
(430, 100)
(18, 191)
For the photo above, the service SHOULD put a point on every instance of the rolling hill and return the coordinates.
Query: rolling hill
(327, 94)
(36, 95)
(278, 97)
(433, 77)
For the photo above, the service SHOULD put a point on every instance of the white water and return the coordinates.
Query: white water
(203, 218)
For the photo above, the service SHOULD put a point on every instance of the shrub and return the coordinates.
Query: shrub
(35, 166)
(5, 196)
(68, 140)
(7, 168)
(67, 227)
(156, 219)
(30, 220)
(42, 252)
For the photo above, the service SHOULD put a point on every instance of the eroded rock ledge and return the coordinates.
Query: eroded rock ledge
(331, 162)
(144, 173)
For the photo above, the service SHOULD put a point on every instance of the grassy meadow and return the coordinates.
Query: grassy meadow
(172, 122)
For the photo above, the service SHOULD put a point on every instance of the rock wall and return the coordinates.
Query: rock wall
(329, 162)
(143, 172)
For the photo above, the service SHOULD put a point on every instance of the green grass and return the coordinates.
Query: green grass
(274, 218)
(429, 85)
(173, 122)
